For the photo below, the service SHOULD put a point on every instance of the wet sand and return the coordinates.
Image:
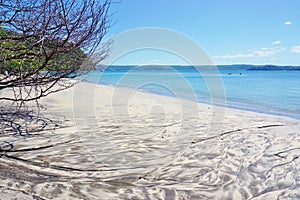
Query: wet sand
(116, 143)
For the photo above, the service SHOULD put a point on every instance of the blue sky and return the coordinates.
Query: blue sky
(230, 31)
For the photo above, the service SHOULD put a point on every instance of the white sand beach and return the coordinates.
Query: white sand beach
(116, 143)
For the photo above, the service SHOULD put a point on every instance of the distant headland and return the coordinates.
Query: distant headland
(220, 67)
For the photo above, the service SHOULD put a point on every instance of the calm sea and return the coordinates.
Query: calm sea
(266, 91)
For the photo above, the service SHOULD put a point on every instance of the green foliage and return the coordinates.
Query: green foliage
(23, 55)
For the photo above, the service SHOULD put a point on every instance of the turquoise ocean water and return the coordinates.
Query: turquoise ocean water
(243, 87)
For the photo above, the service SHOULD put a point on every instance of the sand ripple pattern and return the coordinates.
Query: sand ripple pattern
(245, 164)
(105, 158)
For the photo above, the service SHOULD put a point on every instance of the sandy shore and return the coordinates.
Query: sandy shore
(115, 143)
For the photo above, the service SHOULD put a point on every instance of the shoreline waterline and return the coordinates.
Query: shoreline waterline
(223, 104)
(270, 92)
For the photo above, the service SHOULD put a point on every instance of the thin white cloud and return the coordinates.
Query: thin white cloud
(267, 51)
(230, 56)
(276, 42)
(295, 49)
(288, 23)
(262, 52)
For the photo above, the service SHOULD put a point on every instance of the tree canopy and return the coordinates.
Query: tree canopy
(43, 42)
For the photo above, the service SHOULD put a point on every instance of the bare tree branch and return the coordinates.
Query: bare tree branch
(43, 43)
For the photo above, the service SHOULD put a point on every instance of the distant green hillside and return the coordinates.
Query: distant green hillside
(220, 67)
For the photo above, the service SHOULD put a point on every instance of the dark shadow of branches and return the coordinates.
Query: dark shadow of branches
(16, 123)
